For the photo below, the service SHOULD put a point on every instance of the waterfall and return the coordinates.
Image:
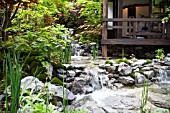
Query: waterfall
(77, 50)
(164, 76)
(95, 82)
(99, 80)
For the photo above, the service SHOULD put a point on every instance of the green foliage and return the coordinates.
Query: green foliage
(166, 18)
(36, 103)
(148, 61)
(109, 62)
(91, 11)
(34, 31)
(160, 54)
(88, 32)
(122, 60)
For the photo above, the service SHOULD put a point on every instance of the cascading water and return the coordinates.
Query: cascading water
(77, 50)
(164, 76)
(96, 81)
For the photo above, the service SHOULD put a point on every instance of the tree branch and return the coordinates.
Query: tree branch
(4, 19)
(15, 12)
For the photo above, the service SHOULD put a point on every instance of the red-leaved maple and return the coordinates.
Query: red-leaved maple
(9, 8)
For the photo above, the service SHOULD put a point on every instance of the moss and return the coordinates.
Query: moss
(56, 81)
(141, 71)
(70, 68)
(58, 66)
(109, 62)
(148, 61)
(38, 70)
(122, 60)
(42, 77)
(34, 63)
(132, 74)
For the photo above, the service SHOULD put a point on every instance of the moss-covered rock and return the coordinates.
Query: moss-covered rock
(58, 66)
(132, 74)
(70, 68)
(56, 81)
(122, 60)
(141, 71)
(34, 64)
(42, 77)
(148, 61)
(38, 70)
(109, 62)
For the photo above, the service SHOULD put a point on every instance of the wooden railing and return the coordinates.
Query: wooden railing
(154, 26)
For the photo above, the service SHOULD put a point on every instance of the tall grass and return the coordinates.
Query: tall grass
(65, 54)
(95, 51)
(13, 75)
(144, 97)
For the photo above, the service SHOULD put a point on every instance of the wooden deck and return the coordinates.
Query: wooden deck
(133, 31)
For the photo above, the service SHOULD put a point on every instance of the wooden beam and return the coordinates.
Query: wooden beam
(135, 42)
(118, 27)
(104, 27)
(120, 15)
(132, 19)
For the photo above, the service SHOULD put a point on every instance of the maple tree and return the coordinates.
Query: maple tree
(9, 9)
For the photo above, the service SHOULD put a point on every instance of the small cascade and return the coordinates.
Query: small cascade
(76, 53)
(96, 81)
(99, 80)
(77, 50)
(164, 76)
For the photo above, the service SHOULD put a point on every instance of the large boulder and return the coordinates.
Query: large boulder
(167, 59)
(111, 69)
(159, 100)
(124, 69)
(31, 82)
(149, 74)
(77, 86)
(126, 80)
(139, 78)
(59, 92)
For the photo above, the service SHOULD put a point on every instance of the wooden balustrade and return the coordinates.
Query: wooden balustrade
(133, 27)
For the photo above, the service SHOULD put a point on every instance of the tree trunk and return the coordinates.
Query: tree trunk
(5, 24)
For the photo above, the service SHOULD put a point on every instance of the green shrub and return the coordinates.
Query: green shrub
(160, 54)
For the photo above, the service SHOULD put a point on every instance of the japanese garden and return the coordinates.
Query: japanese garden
(84, 56)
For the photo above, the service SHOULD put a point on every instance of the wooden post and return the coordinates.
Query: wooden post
(163, 31)
(120, 15)
(134, 29)
(104, 27)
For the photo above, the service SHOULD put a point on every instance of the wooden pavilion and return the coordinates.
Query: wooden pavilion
(134, 23)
